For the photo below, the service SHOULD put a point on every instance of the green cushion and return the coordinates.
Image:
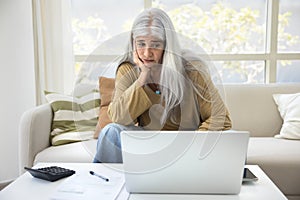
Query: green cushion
(74, 118)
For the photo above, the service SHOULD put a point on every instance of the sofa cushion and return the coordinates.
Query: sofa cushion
(252, 107)
(74, 118)
(279, 159)
(74, 152)
(289, 108)
(106, 88)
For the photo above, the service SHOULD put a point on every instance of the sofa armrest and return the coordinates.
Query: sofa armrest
(34, 134)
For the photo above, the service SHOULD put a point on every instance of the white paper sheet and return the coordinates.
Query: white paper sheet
(84, 186)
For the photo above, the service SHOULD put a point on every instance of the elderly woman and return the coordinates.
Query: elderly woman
(159, 87)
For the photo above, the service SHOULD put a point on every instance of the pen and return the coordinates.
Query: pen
(98, 175)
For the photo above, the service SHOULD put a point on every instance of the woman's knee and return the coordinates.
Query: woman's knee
(111, 132)
(114, 128)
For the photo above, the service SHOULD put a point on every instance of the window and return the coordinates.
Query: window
(288, 26)
(254, 41)
(96, 21)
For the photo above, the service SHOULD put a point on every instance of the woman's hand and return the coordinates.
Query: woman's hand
(145, 70)
(139, 62)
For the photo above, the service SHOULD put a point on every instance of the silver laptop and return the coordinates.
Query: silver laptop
(184, 161)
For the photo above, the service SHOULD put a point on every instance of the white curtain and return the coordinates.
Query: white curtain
(54, 59)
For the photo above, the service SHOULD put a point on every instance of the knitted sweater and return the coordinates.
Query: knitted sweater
(133, 103)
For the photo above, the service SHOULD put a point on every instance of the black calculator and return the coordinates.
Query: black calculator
(52, 173)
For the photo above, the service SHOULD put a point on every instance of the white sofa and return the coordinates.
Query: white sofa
(251, 107)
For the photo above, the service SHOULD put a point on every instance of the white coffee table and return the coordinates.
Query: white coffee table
(27, 187)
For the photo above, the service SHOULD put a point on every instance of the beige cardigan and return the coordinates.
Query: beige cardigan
(132, 103)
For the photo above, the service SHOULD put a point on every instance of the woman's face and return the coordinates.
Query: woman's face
(149, 49)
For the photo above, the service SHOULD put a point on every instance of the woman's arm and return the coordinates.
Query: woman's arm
(130, 99)
(213, 111)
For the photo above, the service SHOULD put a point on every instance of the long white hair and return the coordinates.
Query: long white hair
(157, 23)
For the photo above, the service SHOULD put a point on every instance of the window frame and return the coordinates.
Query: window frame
(270, 57)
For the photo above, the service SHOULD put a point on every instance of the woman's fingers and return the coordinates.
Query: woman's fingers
(136, 59)
(139, 62)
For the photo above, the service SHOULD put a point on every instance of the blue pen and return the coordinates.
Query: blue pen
(98, 175)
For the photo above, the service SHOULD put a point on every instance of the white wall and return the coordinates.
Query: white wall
(17, 88)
